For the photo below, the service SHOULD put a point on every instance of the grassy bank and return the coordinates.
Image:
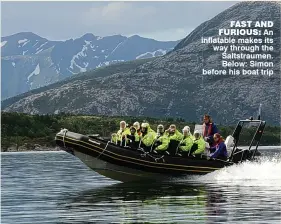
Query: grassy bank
(22, 129)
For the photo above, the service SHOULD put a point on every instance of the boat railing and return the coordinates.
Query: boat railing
(254, 143)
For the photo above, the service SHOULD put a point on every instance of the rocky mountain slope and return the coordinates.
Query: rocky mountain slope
(30, 61)
(171, 85)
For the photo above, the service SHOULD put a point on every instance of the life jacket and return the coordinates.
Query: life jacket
(201, 146)
(209, 131)
(164, 140)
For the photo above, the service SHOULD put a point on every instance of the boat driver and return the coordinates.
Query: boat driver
(209, 129)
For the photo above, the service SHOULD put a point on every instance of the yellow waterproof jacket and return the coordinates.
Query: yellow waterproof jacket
(201, 146)
(137, 137)
(164, 139)
(148, 139)
(119, 135)
(176, 136)
(187, 143)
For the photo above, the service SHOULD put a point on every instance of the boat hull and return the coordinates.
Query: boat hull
(127, 165)
(115, 172)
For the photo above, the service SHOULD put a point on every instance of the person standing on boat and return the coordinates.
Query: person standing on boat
(209, 129)
(133, 138)
(148, 136)
(120, 136)
(137, 127)
(187, 141)
(219, 150)
(161, 141)
(173, 133)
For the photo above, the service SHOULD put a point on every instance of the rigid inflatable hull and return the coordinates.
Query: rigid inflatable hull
(126, 165)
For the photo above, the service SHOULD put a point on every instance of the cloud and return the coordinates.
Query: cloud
(166, 35)
(64, 20)
(118, 13)
(150, 17)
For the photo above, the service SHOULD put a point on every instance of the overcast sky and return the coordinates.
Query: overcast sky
(65, 20)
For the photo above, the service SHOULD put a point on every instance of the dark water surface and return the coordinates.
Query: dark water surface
(55, 187)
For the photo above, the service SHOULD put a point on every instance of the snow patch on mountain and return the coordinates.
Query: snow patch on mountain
(106, 63)
(25, 43)
(70, 71)
(87, 42)
(61, 59)
(3, 43)
(81, 53)
(41, 45)
(22, 41)
(37, 52)
(35, 72)
(118, 45)
(35, 43)
(149, 54)
(81, 69)
(57, 69)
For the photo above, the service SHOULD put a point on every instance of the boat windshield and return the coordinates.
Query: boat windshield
(247, 135)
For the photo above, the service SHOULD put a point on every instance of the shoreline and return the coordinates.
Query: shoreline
(37, 132)
(35, 149)
(23, 152)
(57, 149)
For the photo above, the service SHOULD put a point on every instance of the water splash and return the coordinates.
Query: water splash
(265, 172)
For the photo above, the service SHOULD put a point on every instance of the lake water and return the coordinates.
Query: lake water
(55, 187)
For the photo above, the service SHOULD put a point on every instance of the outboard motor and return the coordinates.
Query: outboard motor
(241, 155)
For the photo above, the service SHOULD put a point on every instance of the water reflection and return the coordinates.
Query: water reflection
(57, 188)
(151, 202)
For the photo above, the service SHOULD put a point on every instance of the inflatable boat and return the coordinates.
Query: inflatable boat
(126, 164)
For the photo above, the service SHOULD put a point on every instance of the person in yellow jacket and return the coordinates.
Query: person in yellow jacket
(199, 144)
(187, 141)
(121, 136)
(148, 136)
(173, 133)
(136, 125)
(161, 141)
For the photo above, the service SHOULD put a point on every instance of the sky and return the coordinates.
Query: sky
(66, 20)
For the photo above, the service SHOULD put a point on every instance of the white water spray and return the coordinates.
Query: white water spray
(263, 173)
(266, 172)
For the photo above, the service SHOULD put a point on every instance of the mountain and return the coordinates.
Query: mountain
(171, 85)
(30, 61)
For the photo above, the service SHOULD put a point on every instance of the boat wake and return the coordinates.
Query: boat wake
(265, 172)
